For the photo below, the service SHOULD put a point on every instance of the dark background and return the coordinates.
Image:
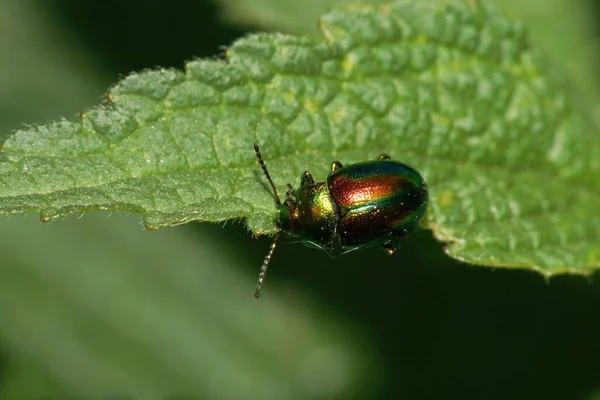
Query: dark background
(444, 330)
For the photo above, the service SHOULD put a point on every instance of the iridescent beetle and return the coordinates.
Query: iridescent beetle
(372, 203)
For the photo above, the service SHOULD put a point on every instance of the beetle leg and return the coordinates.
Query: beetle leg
(306, 179)
(391, 246)
(383, 157)
(335, 166)
(290, 193)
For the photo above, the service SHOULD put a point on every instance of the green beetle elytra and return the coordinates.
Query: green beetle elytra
(372, 203)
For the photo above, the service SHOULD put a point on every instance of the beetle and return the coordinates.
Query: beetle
(372, 203)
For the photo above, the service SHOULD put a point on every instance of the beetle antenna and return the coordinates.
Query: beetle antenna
(263, 269)
(264, 168)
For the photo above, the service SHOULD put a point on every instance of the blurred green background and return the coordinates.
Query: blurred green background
(97, 307)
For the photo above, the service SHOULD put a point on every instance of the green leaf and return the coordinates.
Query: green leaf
(566, 31)
(458, 91)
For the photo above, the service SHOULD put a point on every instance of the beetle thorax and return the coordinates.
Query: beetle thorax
(310, 214)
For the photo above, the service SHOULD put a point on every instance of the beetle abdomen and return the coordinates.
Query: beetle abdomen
(377, 201)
